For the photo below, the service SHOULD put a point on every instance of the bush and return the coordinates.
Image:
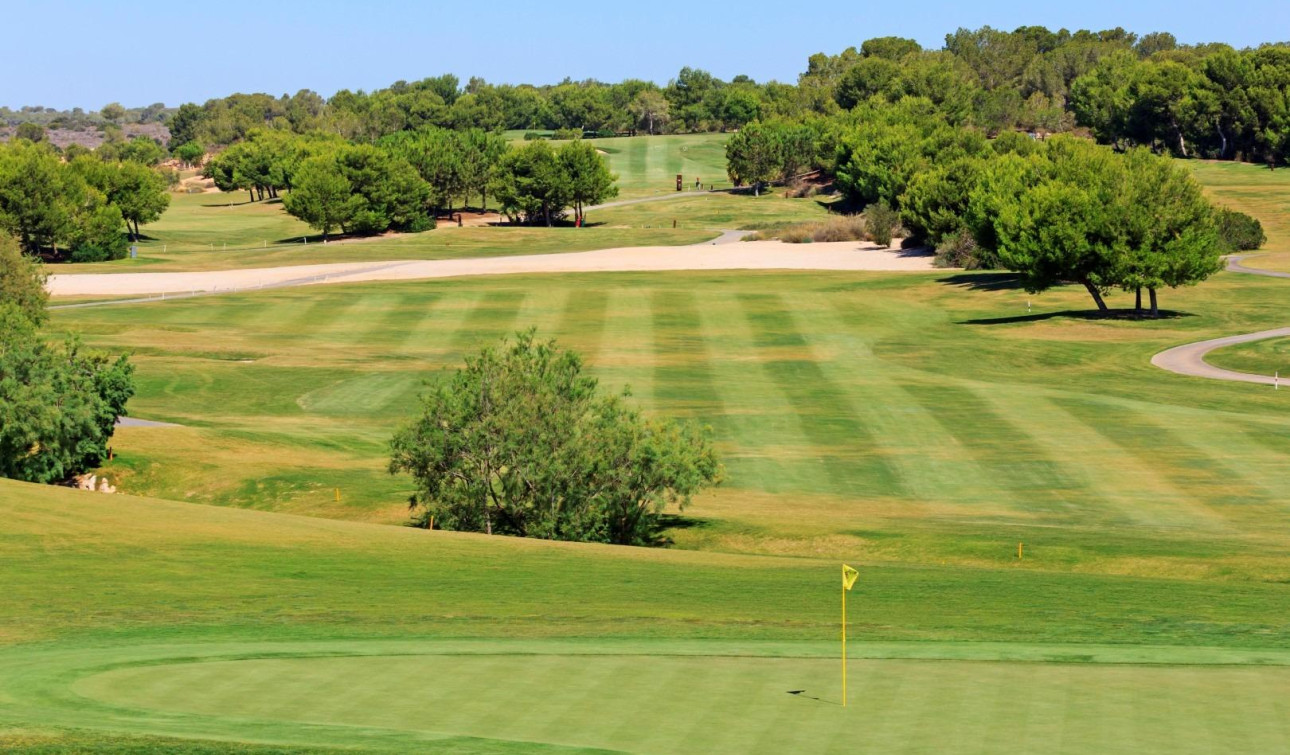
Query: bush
(521, 442)
(532, 136)
(840, 228)
(960, 250)
(881, 222)
(1238, 232)
(88, 253)
(567, 134)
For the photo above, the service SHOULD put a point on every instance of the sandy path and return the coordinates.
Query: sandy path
(751, 255)
(1189, 359)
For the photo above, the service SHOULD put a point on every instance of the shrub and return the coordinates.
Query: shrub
(1238, 232)
(840, 228)
(567, 134)
(960, 250)
(881, 222)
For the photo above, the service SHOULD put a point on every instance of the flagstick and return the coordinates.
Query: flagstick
(844, 644)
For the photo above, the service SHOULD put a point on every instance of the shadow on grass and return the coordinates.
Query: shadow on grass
(1079, 314)
(266, 200)
(667, 522)
(984, 281)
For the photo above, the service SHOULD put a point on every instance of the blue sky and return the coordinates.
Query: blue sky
(64, 53)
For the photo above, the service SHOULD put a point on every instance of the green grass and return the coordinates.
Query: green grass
(718, 211)
(1260, 192)
(194, 621)
(648, 165)
(905, 418)
(1259, 357)
(917, 426)
(202, 232)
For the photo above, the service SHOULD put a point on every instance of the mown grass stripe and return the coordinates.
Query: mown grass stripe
(1121, 488)
(683, 379)
(848, 453)
(761, 422)
(1016, 464)
(492, 318)
(582, 321)
(1202, 475)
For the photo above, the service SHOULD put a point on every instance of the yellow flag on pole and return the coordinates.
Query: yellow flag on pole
(848, 577)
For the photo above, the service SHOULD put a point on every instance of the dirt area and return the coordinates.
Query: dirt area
(749, 255)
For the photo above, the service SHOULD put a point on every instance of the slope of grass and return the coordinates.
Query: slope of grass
(648, 165)
(717, 211)
(195, 621)
(1260, 192)
(205, 232)
(909, 418)
(1259, 357)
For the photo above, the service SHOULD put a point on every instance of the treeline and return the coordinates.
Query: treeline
(83, 206)
(1208, 100)
(694, 101)
(1057, 210)
(407, 179)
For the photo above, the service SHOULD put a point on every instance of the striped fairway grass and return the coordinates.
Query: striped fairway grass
(907, 418)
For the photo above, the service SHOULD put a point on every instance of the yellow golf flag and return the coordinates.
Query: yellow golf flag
(848, 577)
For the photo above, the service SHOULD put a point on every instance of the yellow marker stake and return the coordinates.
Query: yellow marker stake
(1019, 551)
(337, 495)
(848, 579)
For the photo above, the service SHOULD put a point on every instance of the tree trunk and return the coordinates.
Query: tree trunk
(1137, 301)
(1097, 296)
(252, 193)
(1222, 152)
(1155, 308)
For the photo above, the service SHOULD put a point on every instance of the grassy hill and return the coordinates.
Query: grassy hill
(1253, 189)
(909, 417)
(127, 616)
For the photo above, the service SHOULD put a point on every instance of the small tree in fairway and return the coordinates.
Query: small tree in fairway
(519, 442)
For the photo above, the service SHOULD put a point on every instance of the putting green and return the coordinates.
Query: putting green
(668, 697)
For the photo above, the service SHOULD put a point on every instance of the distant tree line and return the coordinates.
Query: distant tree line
(1209, 100)
(407, 179)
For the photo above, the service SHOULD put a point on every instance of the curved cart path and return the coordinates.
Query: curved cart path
(1190, 358)
(751, 255)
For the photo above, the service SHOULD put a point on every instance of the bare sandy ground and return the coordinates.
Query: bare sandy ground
(750, 255)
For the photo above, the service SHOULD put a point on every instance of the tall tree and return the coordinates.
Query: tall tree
(531, 184)
(590, 181)
(321, 196)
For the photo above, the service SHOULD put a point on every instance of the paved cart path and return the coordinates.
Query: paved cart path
(1190, 358)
